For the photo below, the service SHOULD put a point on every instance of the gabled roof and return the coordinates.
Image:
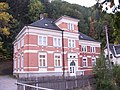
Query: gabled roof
(85, 37)
(50, 24)
(67, 17)
(45, 23)
(111, 46)
(115, 49)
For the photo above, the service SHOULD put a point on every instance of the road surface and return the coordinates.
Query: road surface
(7, 83)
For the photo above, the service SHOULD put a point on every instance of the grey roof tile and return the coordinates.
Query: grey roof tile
(45, 23)
(85, 37)
(117, 49)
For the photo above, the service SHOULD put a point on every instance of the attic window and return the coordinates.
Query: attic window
(46, 24)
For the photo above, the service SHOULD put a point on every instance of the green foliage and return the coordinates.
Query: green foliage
(5, 20)
(103, 75)
(116, 74)
(116, 27)
(35, 8)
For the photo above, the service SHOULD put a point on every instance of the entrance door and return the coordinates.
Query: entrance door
(72, 69)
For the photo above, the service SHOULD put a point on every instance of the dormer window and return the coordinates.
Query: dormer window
(70, 26)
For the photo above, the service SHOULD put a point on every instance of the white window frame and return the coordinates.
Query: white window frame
(57, 54)
(18, 63)
(93, 62)
(70, 26)
(56, 43)
(84, 62)
(15, 48)
(22, 42)
(71, 43)
(84, 48)
(22, 62)
(15, 63)
(19, 44)
(42, 53)
(42, 42)
(92, 49)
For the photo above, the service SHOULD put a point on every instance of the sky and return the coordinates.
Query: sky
(87, 3)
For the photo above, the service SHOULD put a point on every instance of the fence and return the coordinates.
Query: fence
(55, 82)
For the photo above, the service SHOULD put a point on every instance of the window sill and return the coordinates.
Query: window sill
(58, 66)
(42, 67)
(85, 67)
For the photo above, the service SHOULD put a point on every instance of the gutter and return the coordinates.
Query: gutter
(63, 61)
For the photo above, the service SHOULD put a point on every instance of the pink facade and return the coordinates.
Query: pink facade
(40, 51)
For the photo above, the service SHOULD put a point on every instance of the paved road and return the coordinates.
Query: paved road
(7, 83)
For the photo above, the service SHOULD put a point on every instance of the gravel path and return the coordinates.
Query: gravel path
(7, 83)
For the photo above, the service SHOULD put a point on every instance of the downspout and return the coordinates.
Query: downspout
(28, 53)
(63, 62)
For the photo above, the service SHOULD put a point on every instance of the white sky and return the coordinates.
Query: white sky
(87, 3)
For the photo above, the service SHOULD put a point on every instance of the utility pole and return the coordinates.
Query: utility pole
(108, 48)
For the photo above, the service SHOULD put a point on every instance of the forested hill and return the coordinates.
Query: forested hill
(17, 13)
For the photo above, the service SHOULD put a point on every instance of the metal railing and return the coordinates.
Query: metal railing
(31, 86)
(55, 82)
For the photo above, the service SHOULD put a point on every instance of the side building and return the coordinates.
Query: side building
(48, 47)
(114, 53)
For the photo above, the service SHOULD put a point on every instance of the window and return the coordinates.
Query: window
(92, 49)
(18, 44)
(84, 62)
(15, 49)
(93, 61)
(15, 64)
(84, 48)
(72, 67)
(22, 62)
(70, 26)
(18, 63)
(42, 60)
(57, 42)
(42, 40)
(71, 43)
(22, 42)
(57, 60)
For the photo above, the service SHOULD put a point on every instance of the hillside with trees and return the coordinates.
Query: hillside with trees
(18, 13)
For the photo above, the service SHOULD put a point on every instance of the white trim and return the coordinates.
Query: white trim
(22, 42)
(50, 67)
(58, 54)
(22, 62)
(42, 53)
(51, 52)
(93, 61)
(30, 67)
(30, 45)
(56, 44)
(42, 38)
(85, 62)
(84, 48)
(30, 51)
(71, 43)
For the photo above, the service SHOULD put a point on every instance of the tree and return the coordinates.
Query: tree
(35, 8)
(103, 75)
(5, 19)
(115, 16)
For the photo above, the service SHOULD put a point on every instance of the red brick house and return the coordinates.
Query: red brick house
(48, 47)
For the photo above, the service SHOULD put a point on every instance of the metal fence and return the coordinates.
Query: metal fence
(54, 82)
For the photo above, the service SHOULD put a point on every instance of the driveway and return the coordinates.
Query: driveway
(7, 83)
